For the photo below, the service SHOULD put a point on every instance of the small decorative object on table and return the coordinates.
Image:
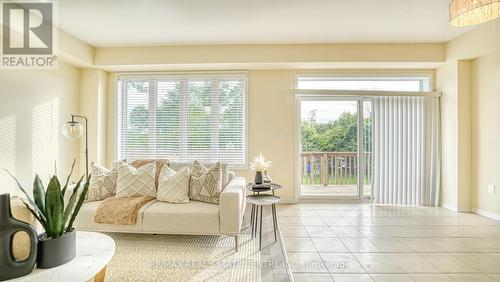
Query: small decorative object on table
(261, 187)
(266, 178)
(58, 244)
(8, 227)
(258, 177)
(260, 165)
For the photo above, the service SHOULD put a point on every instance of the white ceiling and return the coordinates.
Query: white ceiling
(182, 22)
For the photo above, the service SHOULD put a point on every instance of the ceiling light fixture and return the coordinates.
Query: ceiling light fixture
(471, 12)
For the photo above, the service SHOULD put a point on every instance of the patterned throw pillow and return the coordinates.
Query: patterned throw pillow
(205, 184)
(102, 183)
(159, 164)
(225, 170)
(133, 182)
(173, 187)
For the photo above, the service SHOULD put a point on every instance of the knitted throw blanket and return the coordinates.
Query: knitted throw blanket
(120, 210)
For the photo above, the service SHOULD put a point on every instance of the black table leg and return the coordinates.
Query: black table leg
(256, 220)
(275, 222)
(260, 230)
(252, 218)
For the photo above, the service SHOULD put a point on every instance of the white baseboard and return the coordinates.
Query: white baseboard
(449, 206)
(287, 201)
(454, 207)
(464, 209)
(486, 213)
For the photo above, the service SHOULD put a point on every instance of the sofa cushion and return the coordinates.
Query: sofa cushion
(173, 187)
(85, 220)
(159, 164)
(225, 170)
(133, 182)
(102, 183)
(205, 185)
(190, 218)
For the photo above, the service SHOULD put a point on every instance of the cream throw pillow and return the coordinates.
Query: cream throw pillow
(173, 187)
(205, 184)
(102, 183)
(133, 182)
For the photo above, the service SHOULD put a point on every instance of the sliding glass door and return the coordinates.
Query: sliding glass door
(335, 135)
(335, 147)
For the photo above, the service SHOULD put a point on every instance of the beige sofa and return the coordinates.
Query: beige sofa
(193, 218)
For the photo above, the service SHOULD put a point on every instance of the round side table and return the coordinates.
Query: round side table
(93, 253)
(262, 200)
(274, 186)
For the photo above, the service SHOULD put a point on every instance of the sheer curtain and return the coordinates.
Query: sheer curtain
(406, 150)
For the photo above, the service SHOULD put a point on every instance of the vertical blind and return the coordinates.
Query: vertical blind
(183, 118)
(406, 150)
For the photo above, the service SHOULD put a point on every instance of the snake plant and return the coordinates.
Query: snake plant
(48, 207)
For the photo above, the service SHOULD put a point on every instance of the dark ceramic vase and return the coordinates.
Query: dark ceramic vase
(55, 252)
(9, 226)
(258, 177)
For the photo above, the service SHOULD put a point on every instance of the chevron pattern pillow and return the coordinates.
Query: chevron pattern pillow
(102, 183)
(133, 182)
(205, 185)
(159, 164)
(173, 187)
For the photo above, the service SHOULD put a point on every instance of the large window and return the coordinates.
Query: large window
(183, 118)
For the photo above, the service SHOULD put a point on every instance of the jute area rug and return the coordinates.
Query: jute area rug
(147, 257)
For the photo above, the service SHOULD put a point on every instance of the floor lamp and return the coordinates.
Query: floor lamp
(74, 129)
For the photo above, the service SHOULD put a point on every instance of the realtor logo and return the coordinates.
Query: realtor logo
(27, 35)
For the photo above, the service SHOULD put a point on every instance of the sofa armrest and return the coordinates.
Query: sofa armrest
(232, 207)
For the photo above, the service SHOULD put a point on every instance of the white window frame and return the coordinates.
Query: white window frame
(183, 77)
(423, 78)
(340, 95)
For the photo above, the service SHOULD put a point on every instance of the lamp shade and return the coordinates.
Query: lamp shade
(72, 129)
(471, 12)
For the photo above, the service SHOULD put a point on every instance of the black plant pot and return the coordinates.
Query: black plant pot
(9, 266)
(55, 252)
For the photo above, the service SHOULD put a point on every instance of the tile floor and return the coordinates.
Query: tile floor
(362, 242)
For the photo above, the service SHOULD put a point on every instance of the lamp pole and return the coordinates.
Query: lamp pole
(86, 143)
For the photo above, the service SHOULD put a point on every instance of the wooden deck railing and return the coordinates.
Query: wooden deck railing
(334, 168)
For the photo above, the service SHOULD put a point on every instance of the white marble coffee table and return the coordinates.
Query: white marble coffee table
(93, 253)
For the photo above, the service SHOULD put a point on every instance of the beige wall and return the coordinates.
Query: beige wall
(271, 125)
(470, 84)
(454, 80)
(111, 121)
(92, 101)
(447, 82)
(464, 193)
(483, 39)
(196, 57)
(486, 132)
(74, 51)
(35, 103)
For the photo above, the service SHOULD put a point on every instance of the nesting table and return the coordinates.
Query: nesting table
(259, 199)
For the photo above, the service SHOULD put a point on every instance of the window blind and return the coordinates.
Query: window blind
(183, 118)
